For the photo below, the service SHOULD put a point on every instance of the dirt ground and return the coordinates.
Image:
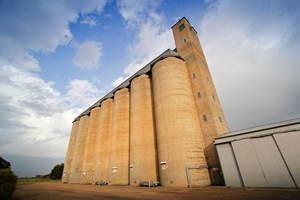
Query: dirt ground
(60, 191)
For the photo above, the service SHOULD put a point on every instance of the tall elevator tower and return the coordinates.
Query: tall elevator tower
(158, 125)
(210, 113)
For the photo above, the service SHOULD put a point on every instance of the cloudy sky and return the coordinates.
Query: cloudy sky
(59, 57)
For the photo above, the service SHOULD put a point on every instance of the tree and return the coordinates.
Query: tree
(57, 171)
(8, 180)
(4, 164)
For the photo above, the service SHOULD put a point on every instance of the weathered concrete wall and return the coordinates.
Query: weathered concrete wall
(70, 152)
(210, 113)
(119, 155)
(88, 158)
(263, 156)
(179, 139)
(143, 162)
(76, 167)
(143, 136)
(102, 151)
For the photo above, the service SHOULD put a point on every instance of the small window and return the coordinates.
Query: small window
(207, 78)
(184, 40)
(204, 118)
(181, 27)
(213, 97)
(194, 75)
(114, 170)
(220, 119)
(199, 95)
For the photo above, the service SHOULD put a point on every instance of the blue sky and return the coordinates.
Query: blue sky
(59, 57)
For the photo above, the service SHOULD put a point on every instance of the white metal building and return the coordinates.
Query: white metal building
(264, 156)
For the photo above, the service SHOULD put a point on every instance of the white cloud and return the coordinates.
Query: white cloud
(32, 111)
(135, 12)
(152, 36)
(35, 119)
(89, 20)
(251, 49)
(118, 81)
(152, 39)
(22, 33)
(82, 93)
(88, 55)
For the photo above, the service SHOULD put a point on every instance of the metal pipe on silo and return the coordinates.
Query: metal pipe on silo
(79, 149)
(179, 139)
(119, 156)
(70, 152)
(88, 158)
(102, 149)
(143, 164)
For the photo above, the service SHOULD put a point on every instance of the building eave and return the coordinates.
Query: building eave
(125, 84)
(258, 131)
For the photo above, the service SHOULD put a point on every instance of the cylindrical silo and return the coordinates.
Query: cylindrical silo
(143, 162)
(102, 149)
(88, 158)
(119, 155)
(70, 152)
(179, 138)
(79, 149)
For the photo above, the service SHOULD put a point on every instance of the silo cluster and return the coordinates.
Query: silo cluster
(148, 129)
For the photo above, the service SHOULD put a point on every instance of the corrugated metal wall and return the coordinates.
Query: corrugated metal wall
(288, 143)
(230, 169)
(271, 160)
(248, 163)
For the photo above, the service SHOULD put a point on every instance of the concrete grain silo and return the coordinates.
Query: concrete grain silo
(119, 148)
(79, 149)
(161, 130)
(70, 152)
(143, 161)
(179, 139)
(102, 149)
(88, 158)
(211, 116)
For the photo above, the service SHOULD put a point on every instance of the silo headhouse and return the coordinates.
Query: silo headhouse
(159, 125)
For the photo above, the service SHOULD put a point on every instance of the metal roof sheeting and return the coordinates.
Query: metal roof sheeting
(126, 83)
(289, 125)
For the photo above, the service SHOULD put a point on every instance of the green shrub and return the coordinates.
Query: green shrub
(8, 181)
(57, 171)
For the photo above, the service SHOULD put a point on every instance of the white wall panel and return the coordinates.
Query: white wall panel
(289, 145)
(229, 167)
(248, 163)
(271, 162)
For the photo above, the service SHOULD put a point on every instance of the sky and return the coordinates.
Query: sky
(59, 57)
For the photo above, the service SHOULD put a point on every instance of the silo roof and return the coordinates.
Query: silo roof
(147, 68)
(256, 131)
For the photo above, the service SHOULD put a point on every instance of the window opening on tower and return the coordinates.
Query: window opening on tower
(204, 118)
(199, 95)
(181, 27)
